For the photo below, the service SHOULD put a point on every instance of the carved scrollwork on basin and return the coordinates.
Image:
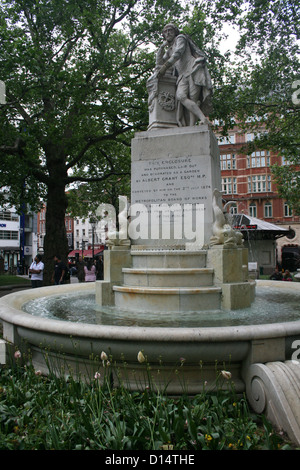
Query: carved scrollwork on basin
(274, 389)
(257, 393)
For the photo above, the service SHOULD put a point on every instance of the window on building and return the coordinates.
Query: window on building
(253, 210)
(259, 183)
(9, 235)
(229, 185)
(233, 209)
(258, 159)
(228, 161)
(6, 215)
(288, 212)
(268, 210)
(284, 159)
(227, 140)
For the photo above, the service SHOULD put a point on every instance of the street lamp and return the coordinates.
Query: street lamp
(93, 223)
(83, 242)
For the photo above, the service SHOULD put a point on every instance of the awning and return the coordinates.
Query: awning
(242, 221)
(257, 228)
(86, 253)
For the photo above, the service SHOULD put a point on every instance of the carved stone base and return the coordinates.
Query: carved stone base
(231, 273)
(162, 102)
(114, 260)
(174, 167)
(274, 389)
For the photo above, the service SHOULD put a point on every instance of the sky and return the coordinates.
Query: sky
(231, 41)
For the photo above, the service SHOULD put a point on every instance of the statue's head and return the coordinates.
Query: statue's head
(170, 26)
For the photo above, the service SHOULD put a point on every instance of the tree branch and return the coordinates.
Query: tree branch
(115, 20)
(93, 141)
(19, 108)
(73, 179)
(8, 149)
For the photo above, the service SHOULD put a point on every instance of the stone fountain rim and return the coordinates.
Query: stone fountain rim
(11, 304)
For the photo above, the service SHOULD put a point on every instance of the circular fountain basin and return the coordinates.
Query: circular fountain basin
(178, 356)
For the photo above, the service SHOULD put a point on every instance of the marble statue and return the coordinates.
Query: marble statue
(179, 55)
(120, 237)
(222, 232)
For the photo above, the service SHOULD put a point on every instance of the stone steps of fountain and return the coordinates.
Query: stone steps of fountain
(168, 277)
(169, 299)
(168, 258)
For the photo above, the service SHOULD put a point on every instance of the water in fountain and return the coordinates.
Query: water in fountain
(270, 306)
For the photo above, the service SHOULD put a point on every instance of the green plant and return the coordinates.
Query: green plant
(43, 413)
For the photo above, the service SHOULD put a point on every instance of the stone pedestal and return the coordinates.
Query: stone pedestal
(177, 168)
(171, 266)
(230, 267)
(162, 102)
(227, 264)
(115, 260)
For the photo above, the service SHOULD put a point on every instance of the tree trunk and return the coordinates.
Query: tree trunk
(56, 243)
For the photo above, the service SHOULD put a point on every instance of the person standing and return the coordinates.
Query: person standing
(37, 271)
(90, 272)
(99, 269)
(80, 269)
(59, 270)
(287, 276)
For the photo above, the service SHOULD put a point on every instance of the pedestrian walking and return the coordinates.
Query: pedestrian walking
(36, 270)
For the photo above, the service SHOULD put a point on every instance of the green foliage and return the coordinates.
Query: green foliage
(10, 280)
(43, 413)
(75, 77)
(83, 199)
(259, 92)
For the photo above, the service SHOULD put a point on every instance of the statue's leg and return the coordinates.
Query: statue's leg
(195, 112)
(183, 91)
(194, 95)
(180, 114)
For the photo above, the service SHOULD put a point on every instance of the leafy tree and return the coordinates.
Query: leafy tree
(75, 75)
(75, 81)
(259, 91)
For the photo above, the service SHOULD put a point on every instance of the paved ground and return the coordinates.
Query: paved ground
(4, 290)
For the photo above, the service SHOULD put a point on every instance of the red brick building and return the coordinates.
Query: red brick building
(248, 181)
(41, 230)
